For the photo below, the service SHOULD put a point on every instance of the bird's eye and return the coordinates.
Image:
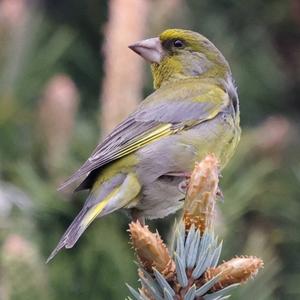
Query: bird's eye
(178, 44)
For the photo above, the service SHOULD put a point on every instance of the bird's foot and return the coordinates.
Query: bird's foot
(182, 186)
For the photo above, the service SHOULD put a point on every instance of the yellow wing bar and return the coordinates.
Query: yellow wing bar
(161, 131)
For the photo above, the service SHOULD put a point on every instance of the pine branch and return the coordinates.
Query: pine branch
(192, 271)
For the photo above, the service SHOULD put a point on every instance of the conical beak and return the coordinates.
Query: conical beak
(150, 49)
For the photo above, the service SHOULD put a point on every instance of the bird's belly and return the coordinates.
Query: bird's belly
(178, 153)
(161, 197)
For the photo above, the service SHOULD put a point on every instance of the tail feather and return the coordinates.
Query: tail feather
(121, 192)
(77, 227)
(68, 239)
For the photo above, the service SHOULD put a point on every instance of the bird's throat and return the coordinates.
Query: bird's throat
(172, 69)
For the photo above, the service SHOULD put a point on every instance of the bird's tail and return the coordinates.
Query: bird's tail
(119, 197)
(77, 227)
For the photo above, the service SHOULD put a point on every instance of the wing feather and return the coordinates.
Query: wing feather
(153, 120)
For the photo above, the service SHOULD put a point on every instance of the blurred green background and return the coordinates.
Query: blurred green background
(52, 69)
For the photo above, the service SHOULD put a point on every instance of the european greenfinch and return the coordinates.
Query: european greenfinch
(142, 165)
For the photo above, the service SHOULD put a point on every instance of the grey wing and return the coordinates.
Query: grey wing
(153, 119)
(108, 150)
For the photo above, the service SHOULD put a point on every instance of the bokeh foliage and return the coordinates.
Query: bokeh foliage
(261, 213)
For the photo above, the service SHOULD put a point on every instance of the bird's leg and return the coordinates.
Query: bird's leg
(136, 216)
(187, 175)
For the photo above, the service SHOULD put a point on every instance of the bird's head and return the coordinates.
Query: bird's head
(179, 54)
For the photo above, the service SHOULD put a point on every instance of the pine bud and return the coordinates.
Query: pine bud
(151, 250)
(199, 207)
(236, 270)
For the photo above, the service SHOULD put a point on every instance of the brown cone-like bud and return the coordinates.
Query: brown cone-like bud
(151, 250)
(56, 117)
(13, 13)
(199, 206)
(236, 270)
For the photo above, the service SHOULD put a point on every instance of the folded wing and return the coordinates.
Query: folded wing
(153, 120)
